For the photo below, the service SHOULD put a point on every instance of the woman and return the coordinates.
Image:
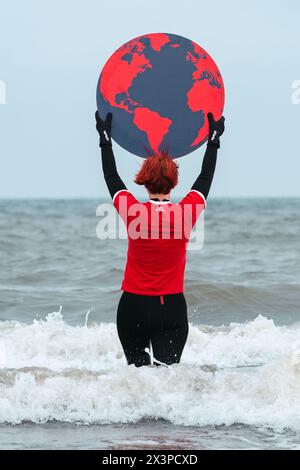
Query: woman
(152, 307)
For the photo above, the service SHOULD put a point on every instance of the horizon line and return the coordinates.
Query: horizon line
(90, 198)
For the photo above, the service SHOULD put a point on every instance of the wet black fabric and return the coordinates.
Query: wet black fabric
(204, 180)
(202, 183)
(113, 181)
(141, 319)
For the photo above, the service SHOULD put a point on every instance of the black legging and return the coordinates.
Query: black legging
(161, 320)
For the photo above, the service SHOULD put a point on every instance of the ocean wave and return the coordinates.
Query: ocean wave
(228, 300)
(242, 373)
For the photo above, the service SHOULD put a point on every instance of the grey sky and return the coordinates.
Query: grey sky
(51, 54)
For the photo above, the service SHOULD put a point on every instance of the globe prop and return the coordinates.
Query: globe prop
(159, 88)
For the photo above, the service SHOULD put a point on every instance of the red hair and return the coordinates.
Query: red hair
(159, 174)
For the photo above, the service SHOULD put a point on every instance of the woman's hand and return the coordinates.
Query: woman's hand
(104, 129)
(216, 129)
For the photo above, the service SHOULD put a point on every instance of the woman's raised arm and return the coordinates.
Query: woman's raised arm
(204, 180)
(111, 175)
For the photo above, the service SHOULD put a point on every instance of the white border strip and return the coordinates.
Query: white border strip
(198, 192)
(115, 195)
(159, 202)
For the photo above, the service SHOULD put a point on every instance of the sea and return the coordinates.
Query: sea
(64, 380)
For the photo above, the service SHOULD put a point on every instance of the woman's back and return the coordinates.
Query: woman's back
(158, 233)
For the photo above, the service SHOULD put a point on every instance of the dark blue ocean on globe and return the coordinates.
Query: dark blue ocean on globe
(159, 88)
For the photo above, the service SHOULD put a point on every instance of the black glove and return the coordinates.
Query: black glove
(216, 129)
(104, 129)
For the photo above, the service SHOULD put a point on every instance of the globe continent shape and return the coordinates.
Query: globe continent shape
(159, 88)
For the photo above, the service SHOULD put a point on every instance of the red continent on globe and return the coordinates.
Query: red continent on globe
(159, 88)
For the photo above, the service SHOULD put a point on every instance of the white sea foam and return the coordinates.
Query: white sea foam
(245, 373)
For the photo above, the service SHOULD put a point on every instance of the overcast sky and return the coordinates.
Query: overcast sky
(51, 54)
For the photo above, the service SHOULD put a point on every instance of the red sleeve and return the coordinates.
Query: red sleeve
(122, 201)
(193, 204)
